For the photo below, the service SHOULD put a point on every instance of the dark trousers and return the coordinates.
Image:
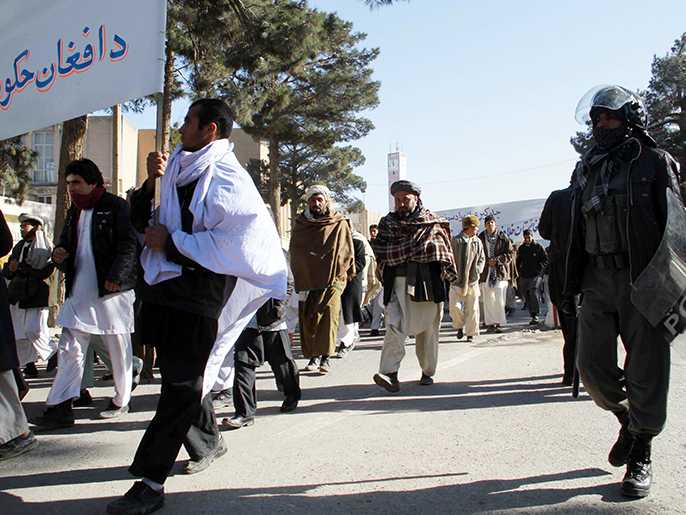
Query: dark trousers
(528, 290)
(183, 342)
(640, 389)
(254, 348)
(568, 323)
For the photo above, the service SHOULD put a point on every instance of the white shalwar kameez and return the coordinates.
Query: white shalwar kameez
(32, 334)
(85, 313)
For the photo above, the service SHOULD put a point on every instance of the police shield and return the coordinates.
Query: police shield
(659, 293)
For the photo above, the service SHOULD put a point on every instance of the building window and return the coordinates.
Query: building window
(45, 172)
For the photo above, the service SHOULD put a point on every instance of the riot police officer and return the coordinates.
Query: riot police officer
(619, 213)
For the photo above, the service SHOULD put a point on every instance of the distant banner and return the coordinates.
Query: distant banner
(61, 59)
(511, 217)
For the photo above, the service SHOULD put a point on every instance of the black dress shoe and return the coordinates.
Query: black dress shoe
(289, 404)
(374, 333)
(30, 370)
(84, 399)
(237, 421)
(426, 380)
(460, 334)
(390, 385)
(59, 416)
(52, 363)
(139, 500)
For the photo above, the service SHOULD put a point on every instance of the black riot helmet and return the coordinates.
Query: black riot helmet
(625, 103)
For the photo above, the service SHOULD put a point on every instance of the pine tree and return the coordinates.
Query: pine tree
(297, 68)
(16, 163)
(666, 101)
(304, 165)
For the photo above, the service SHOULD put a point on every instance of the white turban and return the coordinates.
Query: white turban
(318, 189)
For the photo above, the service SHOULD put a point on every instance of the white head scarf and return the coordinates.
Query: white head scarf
(40, 250)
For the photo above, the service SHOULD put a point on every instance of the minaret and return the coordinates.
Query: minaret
(397, 169)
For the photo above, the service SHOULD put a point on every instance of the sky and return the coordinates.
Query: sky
(480, 95)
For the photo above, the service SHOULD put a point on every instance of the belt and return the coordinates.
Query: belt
(611, 261)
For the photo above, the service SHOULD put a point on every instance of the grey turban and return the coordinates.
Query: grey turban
(408, 186)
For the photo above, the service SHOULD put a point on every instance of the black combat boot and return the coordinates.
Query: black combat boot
(619, 454)
(639, 473)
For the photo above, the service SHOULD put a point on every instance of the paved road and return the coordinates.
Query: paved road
(495, 434)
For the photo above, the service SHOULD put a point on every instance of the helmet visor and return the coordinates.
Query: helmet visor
(607, 96)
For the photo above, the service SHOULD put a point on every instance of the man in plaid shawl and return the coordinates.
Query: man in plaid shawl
(416, 263)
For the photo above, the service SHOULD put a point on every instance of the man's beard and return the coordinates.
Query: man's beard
(318, 213)
(405, 213)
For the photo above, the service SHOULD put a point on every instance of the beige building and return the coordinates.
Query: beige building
(361, 220)
(99, 143)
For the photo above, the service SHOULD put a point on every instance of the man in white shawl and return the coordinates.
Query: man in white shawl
(28, 268)
(210, 262)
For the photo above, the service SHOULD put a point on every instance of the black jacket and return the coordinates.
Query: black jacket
(531, 259)
(351, 298)
(197, 290)
(649, 176)
(114, 244)
(8, 347)
(36, 279)
(554, 225)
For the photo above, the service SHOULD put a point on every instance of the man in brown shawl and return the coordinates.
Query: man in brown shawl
(322, 261)
(416, 262)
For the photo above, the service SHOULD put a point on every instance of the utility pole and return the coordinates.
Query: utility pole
(116, 144)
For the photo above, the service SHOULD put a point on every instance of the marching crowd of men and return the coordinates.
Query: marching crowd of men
(202, 279)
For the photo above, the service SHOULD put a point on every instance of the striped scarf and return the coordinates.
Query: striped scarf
(609, 161)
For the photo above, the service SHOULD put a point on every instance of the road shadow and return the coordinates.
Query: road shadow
(391, 496)
(441, 396)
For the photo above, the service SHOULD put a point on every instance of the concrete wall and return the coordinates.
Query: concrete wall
(128, 158)
(362, 220)
(146, 144)
(11, 209)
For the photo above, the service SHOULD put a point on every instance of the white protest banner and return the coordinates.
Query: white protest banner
(60, 59)
(512, 217)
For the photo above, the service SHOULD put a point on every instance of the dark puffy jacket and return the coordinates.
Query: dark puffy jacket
(114, 244)
(648, 178)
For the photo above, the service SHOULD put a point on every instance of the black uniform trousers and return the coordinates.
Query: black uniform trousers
(640, 389)
(183, 342)
(254, 348)
(568, 324)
